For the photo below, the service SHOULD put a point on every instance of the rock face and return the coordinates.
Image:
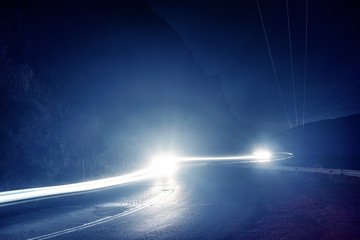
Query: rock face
(329, 143)
(106, 84)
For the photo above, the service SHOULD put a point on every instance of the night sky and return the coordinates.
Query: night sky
(108, 83)
(227, 40)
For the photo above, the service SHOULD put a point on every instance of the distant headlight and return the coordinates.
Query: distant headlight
(262, 154)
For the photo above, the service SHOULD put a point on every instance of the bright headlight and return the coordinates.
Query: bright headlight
(262, 154)
(164, 164)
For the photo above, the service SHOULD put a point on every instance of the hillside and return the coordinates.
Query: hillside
(102, 84)
(330, 143)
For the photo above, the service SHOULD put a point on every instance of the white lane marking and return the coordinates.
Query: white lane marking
(105, 219)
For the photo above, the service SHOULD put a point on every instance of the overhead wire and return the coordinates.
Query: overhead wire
(305, 61)
(291, 61)
(310, 114)
(335, 105)
(272, 64)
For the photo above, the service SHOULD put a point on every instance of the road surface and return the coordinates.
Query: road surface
(199, 202)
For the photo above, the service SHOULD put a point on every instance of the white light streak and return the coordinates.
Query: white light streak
(25, 194)
(163, 165)
(263, 154)
(185, 159)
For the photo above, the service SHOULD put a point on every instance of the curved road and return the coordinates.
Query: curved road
(200, 202)
(197, 202)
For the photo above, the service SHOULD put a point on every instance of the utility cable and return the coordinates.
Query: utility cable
(305, 60)
(272, 64)
(291, 61)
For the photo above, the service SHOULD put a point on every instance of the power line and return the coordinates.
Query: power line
(311, 112)
(335, 105)
(291, 61)
(272, 64)
(305, 59)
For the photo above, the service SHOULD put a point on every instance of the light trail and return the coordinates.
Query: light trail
(185, 159)
(9, 197)
(245, 159)
(17, 196)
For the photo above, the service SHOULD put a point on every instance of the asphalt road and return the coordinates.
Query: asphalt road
(202, 202)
